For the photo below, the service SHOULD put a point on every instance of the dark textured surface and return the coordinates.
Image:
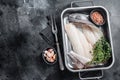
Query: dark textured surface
(21, 45)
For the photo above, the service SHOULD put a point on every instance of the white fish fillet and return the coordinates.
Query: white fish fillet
(79, 43)
(96, 33)
(75, 63)
(73, 35)
(85, 44)
(80, 58)
(92, 33)
(90, 37)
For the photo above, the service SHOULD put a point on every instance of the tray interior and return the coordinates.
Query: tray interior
(104, 27)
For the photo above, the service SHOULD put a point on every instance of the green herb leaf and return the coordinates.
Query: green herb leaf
(101, 51)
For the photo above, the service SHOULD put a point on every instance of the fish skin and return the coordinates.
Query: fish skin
(77, 16)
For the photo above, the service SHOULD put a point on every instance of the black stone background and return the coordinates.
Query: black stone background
(21, 45)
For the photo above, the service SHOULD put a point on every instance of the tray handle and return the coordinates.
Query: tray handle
(94, 74)
(82, 3)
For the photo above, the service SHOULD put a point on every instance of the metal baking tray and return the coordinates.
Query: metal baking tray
(106, 29)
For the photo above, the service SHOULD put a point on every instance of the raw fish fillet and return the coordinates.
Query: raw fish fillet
(73, 35)
(79, 58)
(75, 63)
(91, 32)
(79, 43)
(85, 44)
